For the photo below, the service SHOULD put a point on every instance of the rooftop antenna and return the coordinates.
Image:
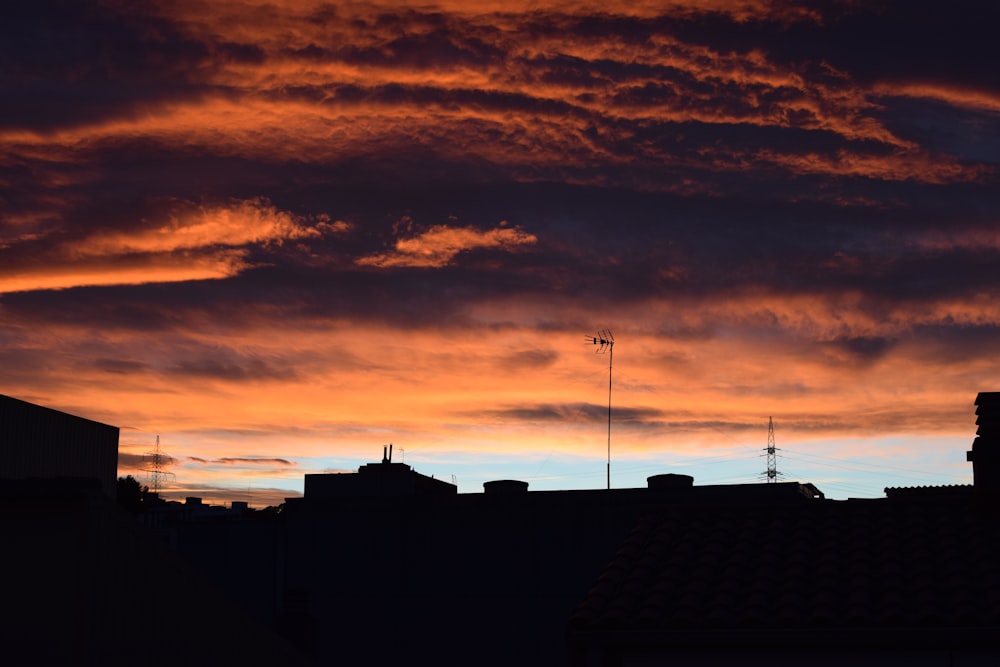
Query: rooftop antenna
(157, 460)
(606, 343)
(772, 467)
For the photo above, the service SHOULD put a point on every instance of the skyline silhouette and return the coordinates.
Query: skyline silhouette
(387, 565)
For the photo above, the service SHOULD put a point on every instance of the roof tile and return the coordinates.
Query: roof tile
(822, 563)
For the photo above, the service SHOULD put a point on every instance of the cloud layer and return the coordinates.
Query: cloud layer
(293, 231)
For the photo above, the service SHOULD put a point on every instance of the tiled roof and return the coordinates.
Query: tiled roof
(821, 564)
(936, 491)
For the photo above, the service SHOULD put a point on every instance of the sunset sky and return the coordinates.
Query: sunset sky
(282, 235)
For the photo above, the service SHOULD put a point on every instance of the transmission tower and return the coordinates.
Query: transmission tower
(156, 459)
(772, 473)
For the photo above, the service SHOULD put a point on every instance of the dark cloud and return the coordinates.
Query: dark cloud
(952, 342)
(241, 461)
(122, 366)
(229, 366)
(872, 41)
(968, 133)
(417, 46)
(530, 359)
(128, 460)
(864, 349)
(143, 461)
(67, 63)
(574, 412)
(235, 460)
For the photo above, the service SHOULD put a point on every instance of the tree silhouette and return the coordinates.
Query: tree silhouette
(131, 494)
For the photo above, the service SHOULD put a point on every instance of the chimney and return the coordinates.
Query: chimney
(985, 454)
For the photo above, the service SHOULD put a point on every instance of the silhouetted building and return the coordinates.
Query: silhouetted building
(387, 565)
(86, 584)
(859, 582)
(40, 442)
(985, 454)
(910, 579)
(376, 480)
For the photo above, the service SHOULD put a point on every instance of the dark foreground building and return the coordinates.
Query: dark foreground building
(912, 579)
(485, 579)
(85, 584)
(40, 442)
(905, 580)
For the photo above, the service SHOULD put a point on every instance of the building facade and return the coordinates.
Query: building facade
(39, 442)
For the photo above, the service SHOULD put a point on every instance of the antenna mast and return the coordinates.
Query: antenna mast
(606, 342)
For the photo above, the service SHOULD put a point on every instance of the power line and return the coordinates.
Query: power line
(874, 465)
(922, 475)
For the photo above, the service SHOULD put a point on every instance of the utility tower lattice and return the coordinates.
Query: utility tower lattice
(157, 460)
(772, 464)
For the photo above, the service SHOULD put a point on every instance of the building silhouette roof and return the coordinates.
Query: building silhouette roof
(88, 585)
(918, 568)
(908, 564)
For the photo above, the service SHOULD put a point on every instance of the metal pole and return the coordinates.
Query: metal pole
(606, 342)
(611, 358)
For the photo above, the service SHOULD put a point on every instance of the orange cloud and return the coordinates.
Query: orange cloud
(196, 243)
(902, 165)
(959, 97)
(537, 99)
(691, 373)
(127, 270)
(439, 245)
(241, 223)
(233, 17)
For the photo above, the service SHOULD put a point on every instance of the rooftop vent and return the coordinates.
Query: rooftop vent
(505, 487)
(670, 482)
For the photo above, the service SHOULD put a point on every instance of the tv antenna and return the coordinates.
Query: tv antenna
(606, 343)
